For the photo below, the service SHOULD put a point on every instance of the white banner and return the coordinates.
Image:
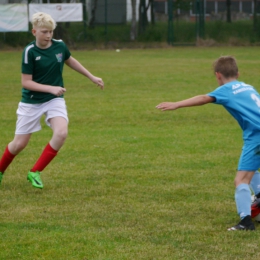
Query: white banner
(59, 12)
(13, 18)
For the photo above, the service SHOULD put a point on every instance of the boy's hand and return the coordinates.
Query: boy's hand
(167, 106)
(57, 91)
(98, 81)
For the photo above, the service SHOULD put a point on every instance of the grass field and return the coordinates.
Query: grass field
(131, 182)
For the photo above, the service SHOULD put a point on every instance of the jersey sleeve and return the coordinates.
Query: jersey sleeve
(67, 53)
(220, 94)
(27, 61)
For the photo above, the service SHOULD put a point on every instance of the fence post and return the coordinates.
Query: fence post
(142, 17)
(200, 19)
(170, 22)
(84, 18)
(106, 22)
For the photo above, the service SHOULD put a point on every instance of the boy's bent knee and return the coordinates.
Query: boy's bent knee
(61, 135)
(59, 138)
(16, 147)
(243, 177)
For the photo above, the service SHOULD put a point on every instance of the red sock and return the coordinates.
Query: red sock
(6, 159)
(47, 155)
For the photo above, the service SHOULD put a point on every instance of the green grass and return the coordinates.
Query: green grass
(130, 182)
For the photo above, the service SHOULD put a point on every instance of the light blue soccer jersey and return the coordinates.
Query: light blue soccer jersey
(242, 101)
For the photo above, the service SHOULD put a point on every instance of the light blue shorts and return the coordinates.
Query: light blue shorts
(249, 158)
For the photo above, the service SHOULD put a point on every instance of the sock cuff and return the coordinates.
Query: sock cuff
(257, 172)
(8, 153)
(50, 149)
(242, 186)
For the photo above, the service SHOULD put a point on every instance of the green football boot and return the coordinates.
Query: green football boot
(35, 179)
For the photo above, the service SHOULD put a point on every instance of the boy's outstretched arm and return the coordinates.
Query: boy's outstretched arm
(194, 101)
(76, 65)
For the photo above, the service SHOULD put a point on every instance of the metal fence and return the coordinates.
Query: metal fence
(176, 21)
(171, 21)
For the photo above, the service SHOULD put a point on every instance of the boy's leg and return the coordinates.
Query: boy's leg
(59, 127)
(243, 193)
(60, 131)
(16, 146)
(46, 157)
(243, 200)
(6, 159)
(255, 183)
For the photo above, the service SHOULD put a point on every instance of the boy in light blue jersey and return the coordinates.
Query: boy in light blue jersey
(242, 101)
(42, 94)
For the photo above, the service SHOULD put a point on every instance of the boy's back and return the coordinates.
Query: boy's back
(242, 101)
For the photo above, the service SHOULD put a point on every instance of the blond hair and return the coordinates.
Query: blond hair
(41, 19)
(227, 66)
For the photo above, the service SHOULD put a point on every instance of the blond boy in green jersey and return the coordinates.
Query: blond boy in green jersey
(42, 94)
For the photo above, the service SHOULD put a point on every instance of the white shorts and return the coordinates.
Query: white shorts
(29, 115)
